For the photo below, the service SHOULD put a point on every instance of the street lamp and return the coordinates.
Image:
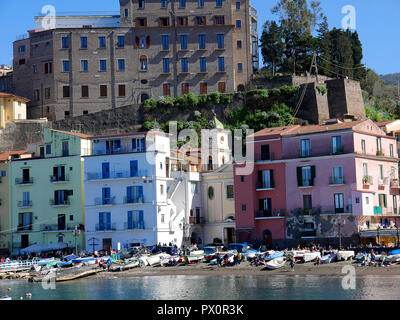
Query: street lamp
(76, 234)
(377, 231)
(340, 224)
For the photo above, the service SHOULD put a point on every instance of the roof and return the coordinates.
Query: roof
(10, 95)
(280, 131)
(384, 123)
(81, 135)
(129, 134)
(5, 155)
(325, 127)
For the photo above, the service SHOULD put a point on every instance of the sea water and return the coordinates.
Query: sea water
(185, 287)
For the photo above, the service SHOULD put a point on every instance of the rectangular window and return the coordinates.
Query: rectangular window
(139, 145)
(380, 174)
(244, 208)
(21, 49)
(141, 22)
(103, 90)
(221, 64)
(121, 41)
(337, 145)
(65, 65)
(47, 93)
(237, 5)
(265, 207)
(126, 11)
(184, 65)
(265, 179)
(166, 65)
(240, 67)
(229, 192)
(382, 200)
(35, 68)
(305, 176)
(378, 145)
(105, 170)
(238, 24)
(167, 89)
(85, 91)
(307, 204)
(36, 95)
(182, 21)
(201, 21)
(65, 148)
(135, 220)
(121, 90)
(220, 41)
(363, 146)
(121, 64)
(239, 44)
(185, 88)
(106, 195)
(337, 175)
(48, 148)
(65, 42)
(391, 150)
(182, 3)
(183, 42)
(48, 67)
(104, 221)
(102, 42)
(202, 42)
(103, 65)
(84, 65)
(66, 93)
(265, 155)
(395, 204)
(219, 20)
(164, 3)
(218, 3)
(203, 88)
(83, 42)
(201, 3)
(305, 148)
(165, 42)
(134, 168)
(164, 22)
(134, 194)
(203, 65)
(141, 4)
(339, 203)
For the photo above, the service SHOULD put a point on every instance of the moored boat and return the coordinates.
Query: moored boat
(345, 255)
(311, 256)
(276, 263)
(5, 298)
(273, 255)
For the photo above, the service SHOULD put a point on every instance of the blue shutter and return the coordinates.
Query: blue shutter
(106, 170)
(108, 217)
(130, 220)
(141, 220)
(133, 144)
(134, 168)
(129, 192)
(140, 192)
(101, 220)
(143, 145)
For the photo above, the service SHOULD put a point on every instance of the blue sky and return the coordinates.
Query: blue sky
(377, 23)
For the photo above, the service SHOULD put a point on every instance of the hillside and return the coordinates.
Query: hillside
(391, 79)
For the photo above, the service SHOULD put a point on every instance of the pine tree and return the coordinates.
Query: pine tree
(271, 45)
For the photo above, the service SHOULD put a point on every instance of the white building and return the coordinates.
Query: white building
(126, 199)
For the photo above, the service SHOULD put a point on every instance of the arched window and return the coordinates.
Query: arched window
(143, 63)
(144, 97)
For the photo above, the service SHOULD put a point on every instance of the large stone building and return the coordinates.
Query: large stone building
(154, 48)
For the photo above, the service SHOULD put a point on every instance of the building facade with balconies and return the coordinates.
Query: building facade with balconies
(45, 200)
(126, 192)
(155, 48)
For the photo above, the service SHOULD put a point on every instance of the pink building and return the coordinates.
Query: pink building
(321, 182)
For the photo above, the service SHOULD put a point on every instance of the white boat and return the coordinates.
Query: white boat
(276, 263)
(130, 264)
(5, 298)
(311, 256)
(156, 259)
(345, 255)
(298, 255)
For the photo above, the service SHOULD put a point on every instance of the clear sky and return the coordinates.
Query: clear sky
(377, 22)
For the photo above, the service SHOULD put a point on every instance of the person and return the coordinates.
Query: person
(292, 264)
(240, 257)
(109, 263)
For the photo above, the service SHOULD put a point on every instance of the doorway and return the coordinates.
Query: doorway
(107, 244)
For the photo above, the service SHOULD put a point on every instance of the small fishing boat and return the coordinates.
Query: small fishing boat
(345, 255)
(87, 261)
(64, 264)
(156, 259)
(311, 256)
(329, 258)
(273, 255)
(298, 255)
(394, 252)
(395, 258)
(5, 298)
(276, 263)
(360, 257)
(130, 264)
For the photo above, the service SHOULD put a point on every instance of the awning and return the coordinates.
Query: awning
(382, 233)
(56, 246)
(33, 249)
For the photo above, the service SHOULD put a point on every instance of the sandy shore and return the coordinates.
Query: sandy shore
(334, 269)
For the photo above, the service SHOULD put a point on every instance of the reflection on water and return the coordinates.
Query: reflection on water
(210, 288)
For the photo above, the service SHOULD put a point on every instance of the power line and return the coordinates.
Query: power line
(338, 74)
(362, 66)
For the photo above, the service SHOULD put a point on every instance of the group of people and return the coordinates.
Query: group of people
(225, 261)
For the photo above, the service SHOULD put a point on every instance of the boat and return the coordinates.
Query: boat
(276, 263)
(130, 264)
(64, 264)
(156, 259)
(298, 255)
(311, 256)
(87, 261)
(5, 298)
(273, 255)
(345, 255)
(395, 258)
(329, 258)
(360, 257)
(394, 252)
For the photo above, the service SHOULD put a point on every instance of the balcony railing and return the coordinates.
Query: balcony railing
(104, 201)
(385, 211)
(132, 200)
(24, 204)
(22, 181)
(57, 227)
(336, 180)
(263, 214)
(368, 180)
(380, 153)
(265, 156)
(307, 183)
(383, 182)
(337, 151)
(196, 220)
(22, 228)
(101, 227)
(59, 203)
(394, 184)
(260, 185)
(134, 225)
(116, 175)
(55, 179)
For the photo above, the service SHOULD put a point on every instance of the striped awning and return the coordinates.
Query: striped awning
(382, 233)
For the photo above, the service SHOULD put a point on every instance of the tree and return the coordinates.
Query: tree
(271, 45)
(323, 44)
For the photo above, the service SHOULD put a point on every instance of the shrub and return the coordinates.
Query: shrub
(258, 92)
(226, 99)
(166, 101)
(214, 98)
(150, 104)
(322, 90)
(289, 90)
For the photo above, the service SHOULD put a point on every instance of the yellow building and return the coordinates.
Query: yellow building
(12, 108)
(218, 201)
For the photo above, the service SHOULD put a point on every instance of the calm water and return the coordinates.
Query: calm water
(210, 288)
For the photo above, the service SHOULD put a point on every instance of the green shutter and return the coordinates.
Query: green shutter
(299, 177)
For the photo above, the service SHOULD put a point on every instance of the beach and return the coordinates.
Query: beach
(331, 269)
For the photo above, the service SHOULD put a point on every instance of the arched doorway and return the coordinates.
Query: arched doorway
(267, 238)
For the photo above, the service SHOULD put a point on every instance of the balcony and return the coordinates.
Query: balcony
(55, 227)
(59, 179)
(380, 153)
(336, 181)
(102, 227)
(260, 186)
(337, 151)
(59, 203)
(383, 181)
(394, 184)
(104, 201)
(277, 213)
(134, 225)
(265, 156)
(116, 175)
(382, 211)
(306, 183)
(23, 181)
(196, 220)
(24, 228)
(130, 200)
(24, 204)
(367, 181)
